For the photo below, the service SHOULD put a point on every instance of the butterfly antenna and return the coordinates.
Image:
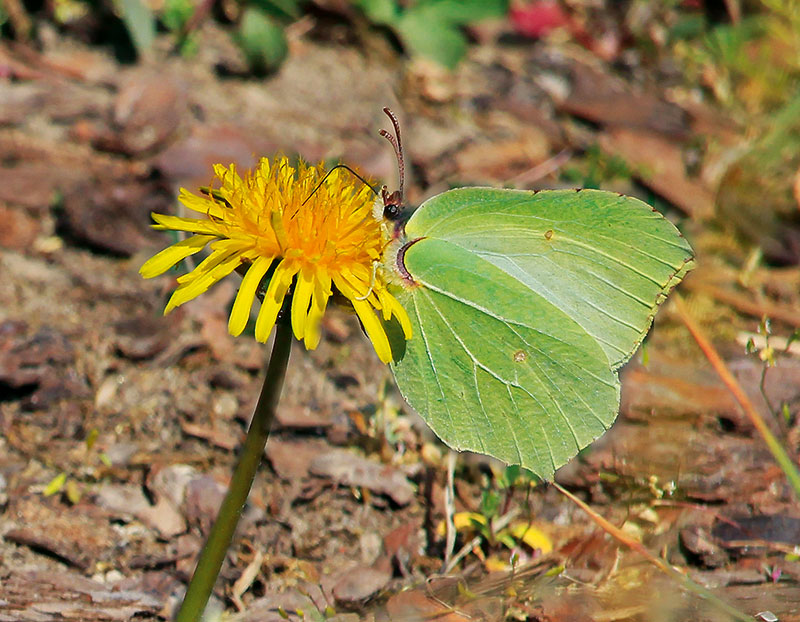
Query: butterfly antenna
(352, 172)
(398, 147)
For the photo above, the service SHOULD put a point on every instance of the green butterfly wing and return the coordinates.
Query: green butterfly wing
(606, 260)
(495, 368)
(524, 306)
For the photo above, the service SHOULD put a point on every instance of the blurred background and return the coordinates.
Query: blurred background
(119, 427)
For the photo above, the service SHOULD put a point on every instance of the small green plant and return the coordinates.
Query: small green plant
(432, 28)
(496, 525)
(497, 494)
(131, 26)
(750, 66)
(258, 28)
(261, 34)
(596, 168)
(768, 352)
(66, 482)
(139, 21)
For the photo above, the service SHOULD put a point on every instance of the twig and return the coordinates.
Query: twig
(744, 302)
(19, 19)
(777, 450)
(534, 174)
(462, 553)
(638, 547)
(450, 510)
(246, 579)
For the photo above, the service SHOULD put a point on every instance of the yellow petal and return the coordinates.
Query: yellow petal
(263, 167)
(361, 272)
(225, 263)
(400, 313)
(240, 312)
(276, 220)
(300, 300)
(220, 248)
(468, 520)
(202, 204)
(228, 176)
(358, 287)
(374, 329)
(193, 225)
(322, 291)
(386, 305)
(273, 300)
(494, 563)
(220, 170)
(164, 260)
(532, 536)
(462, 521)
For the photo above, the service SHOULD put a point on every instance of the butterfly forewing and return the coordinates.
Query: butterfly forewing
(604, 260)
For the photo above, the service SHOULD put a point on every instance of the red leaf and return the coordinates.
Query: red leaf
(539, 18)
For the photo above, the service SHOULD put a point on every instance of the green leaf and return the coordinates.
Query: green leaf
(384, 12)
(262, 40)
(525, 305)
(279, 8)
(140, 22)
(91, 438)
(509, 476)
(55, 485)
(507, 540)
(490, 503)
(424, 34)
(462, 11)
(431, 28)
(73, 492)
(176, 13)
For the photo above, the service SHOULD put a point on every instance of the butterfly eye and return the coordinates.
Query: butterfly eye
(392, 211)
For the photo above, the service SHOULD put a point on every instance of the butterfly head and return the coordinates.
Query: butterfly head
(392, 203)
(389, 207)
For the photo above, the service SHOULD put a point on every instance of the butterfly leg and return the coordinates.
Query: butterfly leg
(371, 282)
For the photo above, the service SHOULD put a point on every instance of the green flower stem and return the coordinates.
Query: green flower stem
(219, 540)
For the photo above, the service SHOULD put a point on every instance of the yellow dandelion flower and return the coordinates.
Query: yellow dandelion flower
(273, 222)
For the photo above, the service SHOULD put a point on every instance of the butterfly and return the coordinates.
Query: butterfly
(524, 305)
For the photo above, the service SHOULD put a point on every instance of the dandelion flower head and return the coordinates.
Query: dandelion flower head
(310, 240)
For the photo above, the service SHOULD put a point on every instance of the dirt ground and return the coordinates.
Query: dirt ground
(120, 427)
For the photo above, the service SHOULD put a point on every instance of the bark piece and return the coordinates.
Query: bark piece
(349, 469)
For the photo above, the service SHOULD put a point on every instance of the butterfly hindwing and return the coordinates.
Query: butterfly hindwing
(494, 367)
